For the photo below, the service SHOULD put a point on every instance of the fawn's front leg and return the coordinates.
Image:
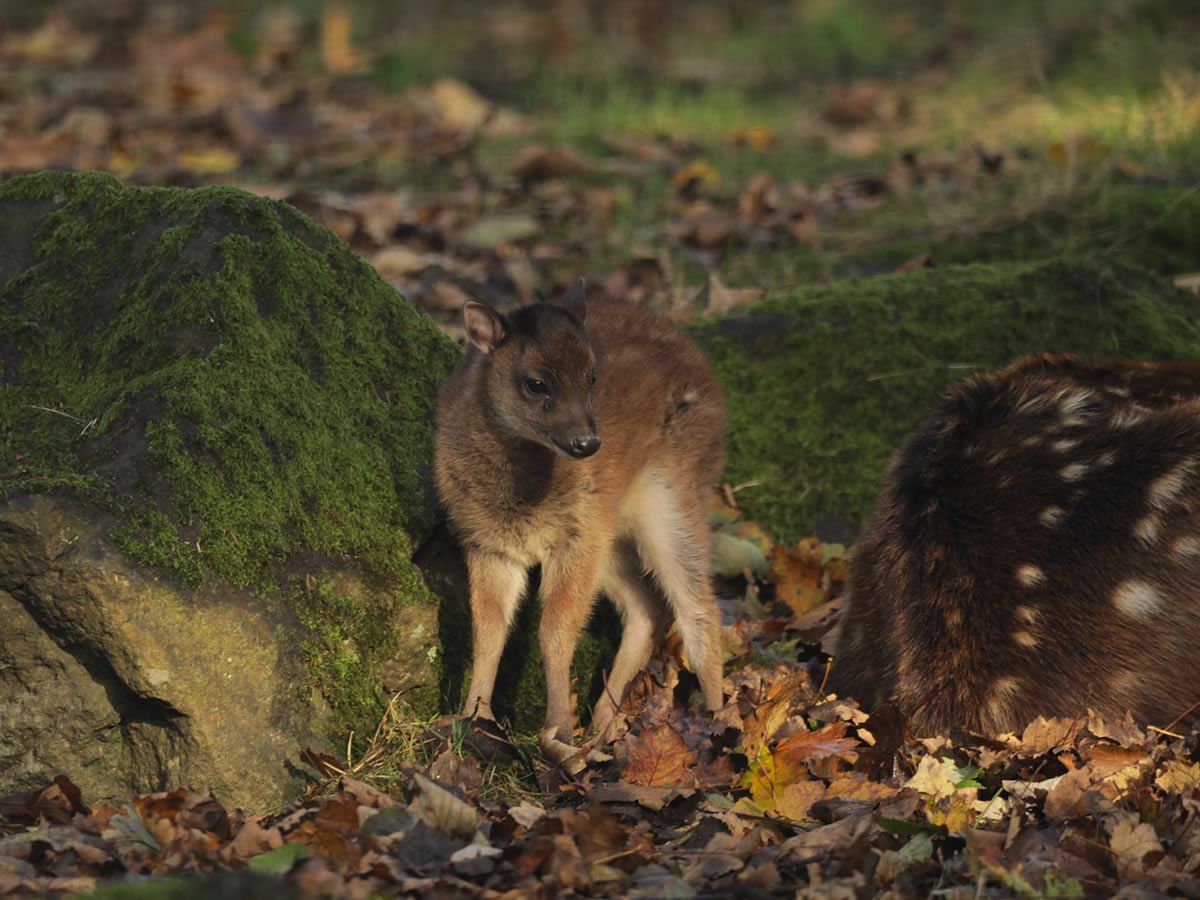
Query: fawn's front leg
(497, 584)
(569, 584)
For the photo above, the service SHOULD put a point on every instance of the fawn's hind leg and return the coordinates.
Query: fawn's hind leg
(497, 584)
(673, 540)
(642, 616)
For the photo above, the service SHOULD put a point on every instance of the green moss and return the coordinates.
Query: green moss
(823, 384)
(229, 379)
(351, 639)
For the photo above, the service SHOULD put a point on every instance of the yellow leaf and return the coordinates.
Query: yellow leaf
(933, 777)
(210, 161)
(957, 812)
(337, 54)
(1179, 776)
(759, 137)
(695, 174)
(772, 711)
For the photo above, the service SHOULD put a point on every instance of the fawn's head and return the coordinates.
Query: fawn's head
(539, 372)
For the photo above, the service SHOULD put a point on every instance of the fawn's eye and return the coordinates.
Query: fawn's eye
(536, 387)
(592, 378)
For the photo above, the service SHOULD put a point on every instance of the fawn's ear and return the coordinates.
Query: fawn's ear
(486, 328)
(576, 300)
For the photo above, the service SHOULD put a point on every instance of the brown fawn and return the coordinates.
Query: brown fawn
(1035, 551)
(582, 437)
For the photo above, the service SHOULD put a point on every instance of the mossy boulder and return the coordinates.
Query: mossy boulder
(215, 424)
(824, 383)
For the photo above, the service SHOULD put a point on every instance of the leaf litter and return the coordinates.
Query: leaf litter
(786, 788)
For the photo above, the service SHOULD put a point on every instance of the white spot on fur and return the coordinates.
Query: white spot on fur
(1137, 599)
(1030, 576)
(1117, 391)
(1074, 403)
(1146, 528)
(1027, 614)
(1107, 458)
(1025, 638)
(997, 456)
(999, 704)
(1062, 446)
(1073, 472)
(1166, 488)
(1127, 418)
(1031, 441)
(1051, 516)
(1186, 546)
(1031, 405)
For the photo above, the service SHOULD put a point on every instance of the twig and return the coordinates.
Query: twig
(915, 369)
(67, 415)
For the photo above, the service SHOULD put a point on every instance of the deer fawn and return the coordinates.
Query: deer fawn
(589, 450)
(1036, 550)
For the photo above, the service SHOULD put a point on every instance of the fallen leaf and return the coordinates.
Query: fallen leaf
(538, 163)
(501, 228)
(732, 555)
(337, 53)
(658, 757)
(440, 809)
(716, 299)
(1136, 847)
(458, 106)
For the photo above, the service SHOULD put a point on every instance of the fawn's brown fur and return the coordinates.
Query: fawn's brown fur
(1036, 551)
(587, 449)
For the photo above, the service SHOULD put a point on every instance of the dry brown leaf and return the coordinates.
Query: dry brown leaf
(458, 106)
(1124, 731)
(1043, 735)
(539, 163)
(796, 800)
(440, 809)
(799, 577)
(1136, 846)
(658, 757)
(856, 787)
(716, 299)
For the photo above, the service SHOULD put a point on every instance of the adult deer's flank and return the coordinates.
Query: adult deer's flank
(1036, 551)
(588, 449)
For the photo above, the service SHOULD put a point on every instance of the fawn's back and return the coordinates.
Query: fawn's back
(1036, 550)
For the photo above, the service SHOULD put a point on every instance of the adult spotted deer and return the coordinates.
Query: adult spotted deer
(582, 437)
(1035, 550)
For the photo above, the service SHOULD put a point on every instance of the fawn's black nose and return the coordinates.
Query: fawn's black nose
(585, 446)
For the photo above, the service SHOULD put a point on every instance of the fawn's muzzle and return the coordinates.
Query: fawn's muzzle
(583, 447)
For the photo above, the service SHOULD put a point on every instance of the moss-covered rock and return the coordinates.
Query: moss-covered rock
(824, 383)
(247, 406)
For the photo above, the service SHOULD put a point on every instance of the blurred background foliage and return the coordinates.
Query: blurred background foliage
(655, 145)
